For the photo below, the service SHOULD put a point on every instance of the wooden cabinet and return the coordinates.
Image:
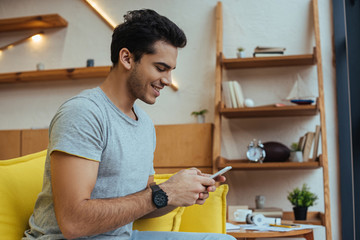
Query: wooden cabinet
(228, 64)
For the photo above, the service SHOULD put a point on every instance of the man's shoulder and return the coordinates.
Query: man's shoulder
(87, 98)
(82, 106)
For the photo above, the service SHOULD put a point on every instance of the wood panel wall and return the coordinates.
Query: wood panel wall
(178, 146)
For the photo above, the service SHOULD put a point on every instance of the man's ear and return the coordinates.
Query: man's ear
(125, 58)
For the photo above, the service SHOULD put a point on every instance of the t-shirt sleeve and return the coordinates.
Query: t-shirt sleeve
(77, 129)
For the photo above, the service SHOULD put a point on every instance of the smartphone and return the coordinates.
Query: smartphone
(222, 171)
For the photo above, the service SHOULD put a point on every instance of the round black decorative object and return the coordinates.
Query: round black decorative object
(159, 197)
(276, 152)
(300, 213)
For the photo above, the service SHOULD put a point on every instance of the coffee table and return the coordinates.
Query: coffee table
(308, 234)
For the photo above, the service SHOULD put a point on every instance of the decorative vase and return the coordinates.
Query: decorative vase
(300, 213)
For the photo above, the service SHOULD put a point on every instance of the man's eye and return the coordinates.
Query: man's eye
(161, 69)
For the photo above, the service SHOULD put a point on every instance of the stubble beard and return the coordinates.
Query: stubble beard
(136, 88)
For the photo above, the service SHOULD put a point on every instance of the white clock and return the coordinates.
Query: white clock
(256, 151)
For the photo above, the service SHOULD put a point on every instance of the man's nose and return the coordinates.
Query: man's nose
(167, 81)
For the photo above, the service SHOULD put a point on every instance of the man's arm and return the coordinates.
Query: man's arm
(73, 179)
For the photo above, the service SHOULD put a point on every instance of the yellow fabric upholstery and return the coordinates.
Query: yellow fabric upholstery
(168, 222)
(20, 183)
(210, 217)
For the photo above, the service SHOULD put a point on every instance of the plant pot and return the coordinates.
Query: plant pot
(296, 156)
(240, 54)
(300, 213)
(201, 119)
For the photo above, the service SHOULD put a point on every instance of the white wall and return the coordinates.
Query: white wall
(246, 23)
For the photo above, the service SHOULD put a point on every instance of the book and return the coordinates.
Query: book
(316, 142)
(268, 54)
(269, 212)
(302, 143)
(238, 94)
(232, 94)
(262, 49)
(226, 94)
(308, 145)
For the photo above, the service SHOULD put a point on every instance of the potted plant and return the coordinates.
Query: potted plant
(301, 199)
(200, 115)
(240, 52)
(296, 154)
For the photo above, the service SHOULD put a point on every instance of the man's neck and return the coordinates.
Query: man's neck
(115, 89)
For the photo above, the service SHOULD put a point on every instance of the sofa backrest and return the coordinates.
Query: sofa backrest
(20, 183)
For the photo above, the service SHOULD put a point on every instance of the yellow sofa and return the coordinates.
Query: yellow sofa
(21, 181)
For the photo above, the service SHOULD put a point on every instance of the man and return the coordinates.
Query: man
(100, 156)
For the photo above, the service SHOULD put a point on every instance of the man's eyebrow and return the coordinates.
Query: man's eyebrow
(165, 65)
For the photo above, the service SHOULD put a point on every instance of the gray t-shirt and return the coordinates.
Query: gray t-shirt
(92, 127)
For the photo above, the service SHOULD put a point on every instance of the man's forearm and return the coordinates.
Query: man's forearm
(95, 216)
(159, 212)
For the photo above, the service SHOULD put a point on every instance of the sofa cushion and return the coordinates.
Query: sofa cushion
(167, 222)
(20, 183)
(209, 217)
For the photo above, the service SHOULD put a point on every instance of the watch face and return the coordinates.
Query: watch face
(255, 154)
(160, 199)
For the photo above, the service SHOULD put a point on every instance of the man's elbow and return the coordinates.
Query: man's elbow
(70, 229)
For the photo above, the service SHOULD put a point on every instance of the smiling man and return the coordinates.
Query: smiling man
(99, 170)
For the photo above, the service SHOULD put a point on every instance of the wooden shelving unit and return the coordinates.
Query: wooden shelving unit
(32, 22)
(318, 108)
(246, 165)
(55, 74)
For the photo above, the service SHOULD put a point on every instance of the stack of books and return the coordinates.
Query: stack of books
(268, 51)
(232, 94)
(310, 141)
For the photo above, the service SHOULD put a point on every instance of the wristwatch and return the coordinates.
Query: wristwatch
(159, 197)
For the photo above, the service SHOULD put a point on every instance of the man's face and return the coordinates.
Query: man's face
(152, 72)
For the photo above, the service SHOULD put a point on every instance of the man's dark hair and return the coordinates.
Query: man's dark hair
(140, 30)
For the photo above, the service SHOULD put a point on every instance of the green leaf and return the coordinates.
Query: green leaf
(303, 197)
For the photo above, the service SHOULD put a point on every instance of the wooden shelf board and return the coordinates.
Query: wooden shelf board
(270, 111)
(246, 165)
(271, 61)
(314, 218)
(59, 74)
(32, 22)
(55, 74)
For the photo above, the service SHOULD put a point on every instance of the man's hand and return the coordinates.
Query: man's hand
(204, 195)
(189, 187)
